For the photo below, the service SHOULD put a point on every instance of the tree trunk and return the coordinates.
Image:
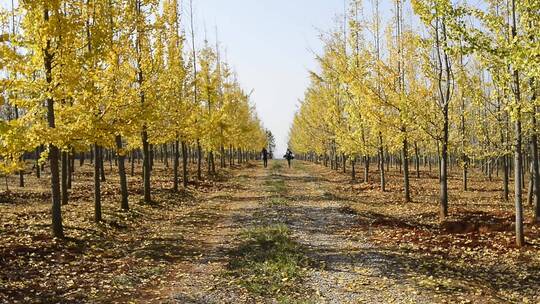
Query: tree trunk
(444, 168)
(132, 163)
(405, 163)
(110, 158)
(38, 167)
(231, 158)
(353, 168)
(166, 150)
(212, 163)
(64, 184)
(381, 164)
(101, 164)
(465, 172)
(506, 177)
(417, 159)
(71, 167)
(122, 174)
(199, 160)
(81, 159)
(366, 169)
(535, 165)
(520, 238)
(464, 157)
(490, 169)
(530, 189)
(97, 183)
(523, 169)
(222, 157)
(239, 155)
(147, 167)
(54, 153)
(184, 165)
(152, 155)
(176, 164)
(208, 166)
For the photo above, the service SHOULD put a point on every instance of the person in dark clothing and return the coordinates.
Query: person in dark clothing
(289, 156)
(264, 153)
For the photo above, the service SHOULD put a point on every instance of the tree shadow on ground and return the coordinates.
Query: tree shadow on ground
(188, 299)
(434, 274)
(303, 178)
(168, 249)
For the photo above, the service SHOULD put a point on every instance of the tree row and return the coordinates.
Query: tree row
(120, 77)
(454, 83)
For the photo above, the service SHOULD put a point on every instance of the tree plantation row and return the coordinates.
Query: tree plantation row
(436, 80)
(107, 80)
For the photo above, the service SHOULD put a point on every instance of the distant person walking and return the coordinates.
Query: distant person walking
(264, 153)
(289, 156)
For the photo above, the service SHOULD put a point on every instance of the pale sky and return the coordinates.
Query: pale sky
(270, 43)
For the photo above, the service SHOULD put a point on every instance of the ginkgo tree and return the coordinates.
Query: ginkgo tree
(447, 86)
(102, 76)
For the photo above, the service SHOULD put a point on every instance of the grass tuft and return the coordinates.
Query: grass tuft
(277, 202)
(269, 262)
(276, 186)
(276, 166)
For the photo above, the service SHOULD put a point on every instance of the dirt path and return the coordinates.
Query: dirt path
(215, 223)
(352, 272)
(349, 270)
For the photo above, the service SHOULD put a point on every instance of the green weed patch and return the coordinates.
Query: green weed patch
(269, 262)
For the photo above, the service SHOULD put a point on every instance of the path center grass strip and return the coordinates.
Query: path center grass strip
(268, 262)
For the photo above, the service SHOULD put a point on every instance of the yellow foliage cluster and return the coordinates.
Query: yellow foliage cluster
(115, 67)
(377, 85)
